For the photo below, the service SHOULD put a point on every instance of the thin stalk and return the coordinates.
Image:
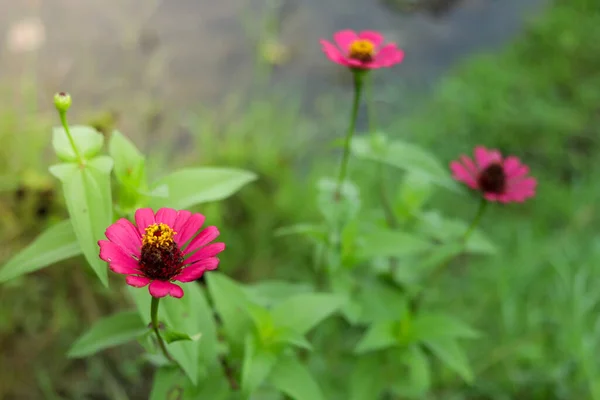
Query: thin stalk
(63, 120)
(358, 76)
(154, 316)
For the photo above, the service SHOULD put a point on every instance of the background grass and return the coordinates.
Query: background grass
(536, 302)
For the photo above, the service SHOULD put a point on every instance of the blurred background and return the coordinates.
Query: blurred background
(244, 83)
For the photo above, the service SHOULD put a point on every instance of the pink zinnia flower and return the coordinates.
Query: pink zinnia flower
(156, 251)
(499, 179)
(362, 50)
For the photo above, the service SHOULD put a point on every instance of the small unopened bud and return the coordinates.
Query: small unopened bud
(62, 101)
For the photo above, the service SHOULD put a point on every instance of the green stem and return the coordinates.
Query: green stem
(482, 207)
(372, 121)
(154, 317)
(358, 76)
(63, 120)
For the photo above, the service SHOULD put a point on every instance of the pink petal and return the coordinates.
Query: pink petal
(372, 36)
(189, 229)
(333, 53)
(461, 173)
(208, 251)
(511, 165)
(481, 157)
(470, 165)
(207, 235)
(196, 270)
(491, 196)
(389, 55)
(144, 217)
(515, 172)
(115, 256)
(495, 156)
(162, 289)
(137, 281)
(182, 217)
(344, 39)
(125, 234)
(166, 216)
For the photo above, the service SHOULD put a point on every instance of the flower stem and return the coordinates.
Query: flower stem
(63, 120)
(154, 316)
(358, 76)
(482, 207)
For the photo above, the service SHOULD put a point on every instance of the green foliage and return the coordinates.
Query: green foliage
(108, 332)
(55, 244)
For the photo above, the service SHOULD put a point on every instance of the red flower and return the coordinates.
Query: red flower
(362, 50)
(157, 252)
(499, 179)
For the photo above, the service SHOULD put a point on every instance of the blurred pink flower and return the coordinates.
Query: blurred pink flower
(499, 179)
(362, 51)
(26, 35)
(157, 252)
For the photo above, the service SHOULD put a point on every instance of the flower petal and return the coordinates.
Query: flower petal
(333, 53)
(462, 174)
(482, 157)
(189, 229)
(115, 256)
(125, 234)
(208, 251)
(389, 55)
(144, 217)
(207, 235)
(344, 39)
(196, 270)
(166, 216)
(182, 217)
(372, 36)
(162, 289)
(137, 281)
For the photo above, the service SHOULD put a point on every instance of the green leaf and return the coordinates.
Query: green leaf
(289, 336)
(130, 168)
(257, 365)
(390, 243)
(171, 384)
(89, 202)
(405, 156)
(366, 383)
(190, 314)
(452, 355)
(419, 369)
(172, 336)
(267, 293)
(433, 325)
(188, 187)
(230, 302)
(292, 378)
(317, 232)
(379, 336)
(303, 311)
(414, 193)
(87, 140)
(108, 332)
(55, 244)
(337, 211)
(375, 298)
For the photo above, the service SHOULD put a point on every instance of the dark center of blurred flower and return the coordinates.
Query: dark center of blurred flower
(161, 258)
(492, 179)
(362, 50)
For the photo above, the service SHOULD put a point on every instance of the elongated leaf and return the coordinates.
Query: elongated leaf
(257, 365)
(292, 378)
(187, 315)
(188, 187)
(303, 311)
(366, 383)
(230, 301)
(405, 156)
(432, 325)
(388, 243)
(129, 162)
(89, 202)
(55, 244)
(108, 332)
(420, 370)
(379, 336)
(172, 336)
(171, 384)
(267, 293)
(87, 140)
(289, 336)
(452, 355)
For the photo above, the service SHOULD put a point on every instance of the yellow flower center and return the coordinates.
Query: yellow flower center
(362, 50)
(159, 235)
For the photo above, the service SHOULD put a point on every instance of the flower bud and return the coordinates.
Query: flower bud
(62, 101)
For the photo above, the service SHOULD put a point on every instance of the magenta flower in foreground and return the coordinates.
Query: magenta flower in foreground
(160, 249)
(499, 179)
(362, 51)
